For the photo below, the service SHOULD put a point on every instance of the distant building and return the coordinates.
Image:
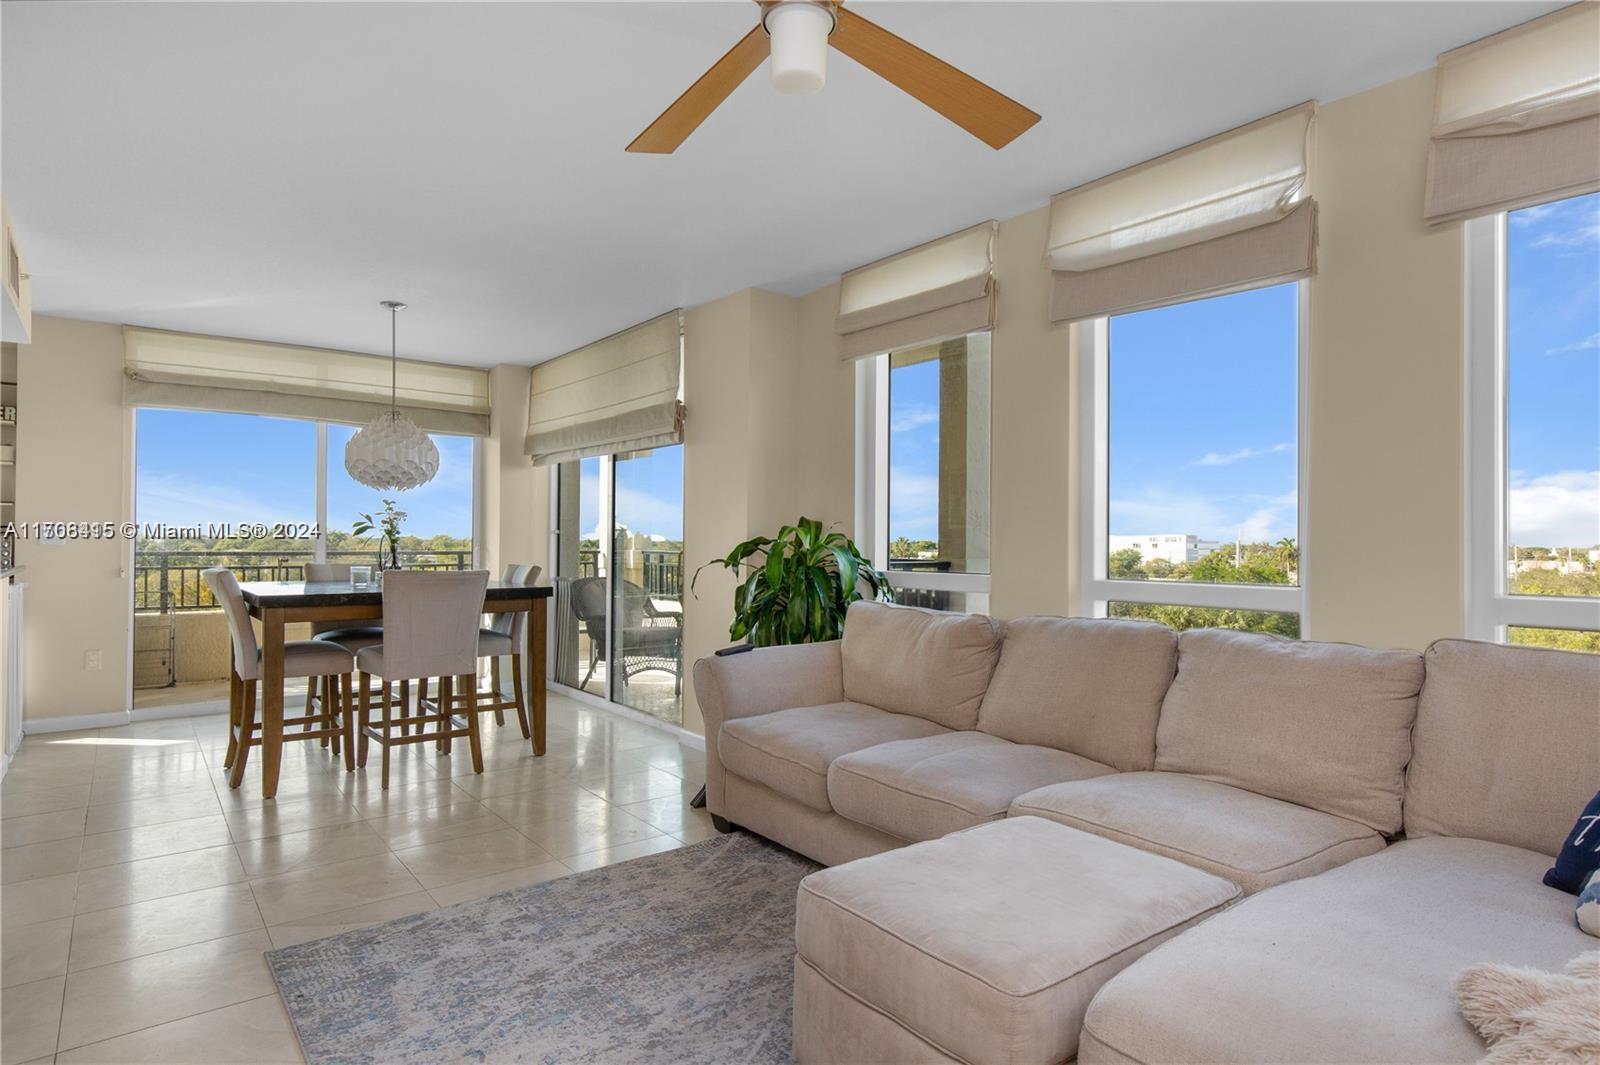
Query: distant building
(1174, 547)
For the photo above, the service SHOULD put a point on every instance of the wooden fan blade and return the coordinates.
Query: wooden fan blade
(703, 97)
(992, 117)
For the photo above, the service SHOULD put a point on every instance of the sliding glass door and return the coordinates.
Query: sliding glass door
(619, 579)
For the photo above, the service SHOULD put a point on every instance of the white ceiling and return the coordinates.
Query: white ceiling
(273, 170)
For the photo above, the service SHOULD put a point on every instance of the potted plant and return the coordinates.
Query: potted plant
(798, 585)
(389, 525)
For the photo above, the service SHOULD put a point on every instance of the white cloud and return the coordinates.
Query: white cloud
(1588, 343)
(1570, 238)
(913, 505)
(1252, 518)
(639, 511)
(1527, 216)
(1555, 509)
(1228, 458)
(173, 499)
(914, 418)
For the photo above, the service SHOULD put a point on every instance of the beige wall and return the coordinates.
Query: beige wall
(516, 493)
(1385, 388)
(74, 463)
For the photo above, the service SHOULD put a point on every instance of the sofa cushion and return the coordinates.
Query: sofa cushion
(1355, 965)
(1507, 744)
(988, 943)
(1089, 686)
(1252, 840)
(1325, 725)
(790, 751)
(927, 663)
(926, 788)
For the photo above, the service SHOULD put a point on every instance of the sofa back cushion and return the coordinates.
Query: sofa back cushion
(1507, 744)
(1325, 725)
(927, 663)
(1092, 687)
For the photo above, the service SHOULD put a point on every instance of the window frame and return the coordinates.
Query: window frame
(1490, 609)
(1091, 346)
(872, 482)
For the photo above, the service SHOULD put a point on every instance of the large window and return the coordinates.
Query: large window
(619, 566)
(1192, 450)
(1534, 431)
(208, 481)
(924, 471)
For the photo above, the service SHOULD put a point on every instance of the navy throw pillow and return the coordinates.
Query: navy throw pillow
(1580, 854)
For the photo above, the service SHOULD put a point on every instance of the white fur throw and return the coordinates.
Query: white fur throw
(1529, 1017)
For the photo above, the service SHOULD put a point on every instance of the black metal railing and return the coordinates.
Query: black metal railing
(169, 581)
(660, 570)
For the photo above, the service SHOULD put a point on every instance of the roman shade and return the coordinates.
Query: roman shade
(623, 393)
(1516, 118)
(1228, 213)
(941, 289)
(196, 372)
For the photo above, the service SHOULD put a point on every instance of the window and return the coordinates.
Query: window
(619, 579)
(1533, 438)
(1192, 451)
(923, 470)
(438, 525)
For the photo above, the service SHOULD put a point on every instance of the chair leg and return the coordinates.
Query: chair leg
(405, 708)
(235, 701)
(330, 711)
(474, 741)
(363, 719)
(494, 686)
(247, 724)
(516, 683)
(384, 730)
(446, 700)
(347, 705)
(311, 706)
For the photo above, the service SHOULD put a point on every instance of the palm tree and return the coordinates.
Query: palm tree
(1288, 553)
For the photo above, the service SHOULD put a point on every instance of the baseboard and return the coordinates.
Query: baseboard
(161, 713)
(111, 719)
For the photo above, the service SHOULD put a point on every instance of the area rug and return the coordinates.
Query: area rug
(683, 956)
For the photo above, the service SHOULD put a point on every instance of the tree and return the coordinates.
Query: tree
(1124, 565)
(900, 547)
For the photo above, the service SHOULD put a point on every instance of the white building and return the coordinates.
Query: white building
(1174, 547)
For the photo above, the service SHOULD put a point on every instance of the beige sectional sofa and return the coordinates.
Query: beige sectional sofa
(1382, 847)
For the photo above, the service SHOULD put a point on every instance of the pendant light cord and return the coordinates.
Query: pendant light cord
(394, 359)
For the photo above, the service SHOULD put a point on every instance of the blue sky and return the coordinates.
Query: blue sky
(914, 451)
(1203, 417)
(196, 467)
(1553, 386)
(649, 494)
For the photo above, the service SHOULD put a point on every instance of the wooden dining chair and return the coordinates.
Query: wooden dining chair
(301, 658)
(430, 630)
(351, 637)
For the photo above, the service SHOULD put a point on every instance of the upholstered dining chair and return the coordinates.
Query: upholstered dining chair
(430, 630)
(502, 638)
(301, 658)
(352, 637)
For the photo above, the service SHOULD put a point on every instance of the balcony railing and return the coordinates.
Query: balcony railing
(170, 581)
(660, 572)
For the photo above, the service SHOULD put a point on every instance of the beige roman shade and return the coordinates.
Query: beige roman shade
(940, 289)
(1228, 213)
(196, 372)
(1516, 118)
(623, 393)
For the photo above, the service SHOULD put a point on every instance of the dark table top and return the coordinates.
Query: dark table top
(280, 594)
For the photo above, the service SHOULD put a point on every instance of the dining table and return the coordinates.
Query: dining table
(279, 604)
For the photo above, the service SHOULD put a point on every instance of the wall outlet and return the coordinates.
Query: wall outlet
(91, 659)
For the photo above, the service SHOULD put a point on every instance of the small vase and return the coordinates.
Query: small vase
(394, 556)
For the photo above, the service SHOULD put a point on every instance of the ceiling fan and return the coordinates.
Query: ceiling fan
(797, 33)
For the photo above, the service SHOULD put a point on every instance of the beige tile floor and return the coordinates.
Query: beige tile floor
(137, 892)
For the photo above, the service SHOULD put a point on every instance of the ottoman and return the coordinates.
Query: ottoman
(982, 946)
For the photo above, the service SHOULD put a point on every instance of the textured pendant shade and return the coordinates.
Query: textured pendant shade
(390, 452)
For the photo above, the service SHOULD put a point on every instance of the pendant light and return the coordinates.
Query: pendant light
(391, 452)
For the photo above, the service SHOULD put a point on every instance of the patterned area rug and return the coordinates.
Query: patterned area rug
(684, 956)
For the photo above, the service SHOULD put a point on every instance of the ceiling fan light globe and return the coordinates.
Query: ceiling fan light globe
(799, 31)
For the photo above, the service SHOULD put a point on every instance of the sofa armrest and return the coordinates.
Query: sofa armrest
(762, 681)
